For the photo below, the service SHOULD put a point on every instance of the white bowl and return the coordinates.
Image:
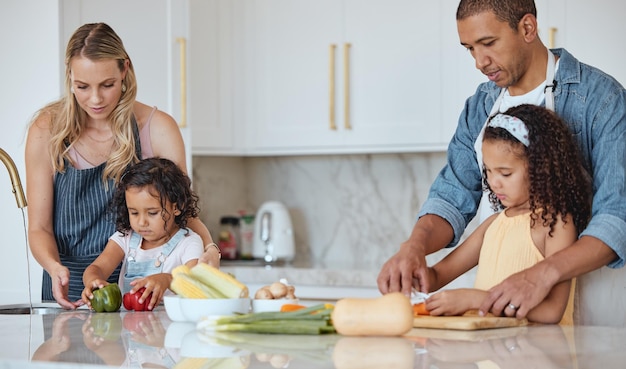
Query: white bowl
(261, 305)
(193, 310)
(173, 308)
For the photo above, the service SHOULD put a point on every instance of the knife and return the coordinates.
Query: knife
(418, 297)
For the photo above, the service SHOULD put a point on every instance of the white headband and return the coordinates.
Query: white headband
(513, 125)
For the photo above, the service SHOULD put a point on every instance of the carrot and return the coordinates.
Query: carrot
(420, 309)
(291, 307)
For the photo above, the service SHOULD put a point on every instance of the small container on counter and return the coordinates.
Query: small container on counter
(247, 236)
(229, 237)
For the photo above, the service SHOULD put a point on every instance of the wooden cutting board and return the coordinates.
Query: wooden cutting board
(466, 323)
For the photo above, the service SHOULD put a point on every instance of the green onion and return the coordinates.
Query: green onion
(311, 320)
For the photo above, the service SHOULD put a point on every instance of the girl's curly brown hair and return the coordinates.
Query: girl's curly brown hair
(559, 185)
(165, 178)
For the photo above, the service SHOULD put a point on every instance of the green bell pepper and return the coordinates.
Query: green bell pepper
(107, 298)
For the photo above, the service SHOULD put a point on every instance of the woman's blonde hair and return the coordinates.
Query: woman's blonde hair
(96, 42)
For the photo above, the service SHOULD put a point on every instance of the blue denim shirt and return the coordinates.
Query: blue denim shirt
(594, 106)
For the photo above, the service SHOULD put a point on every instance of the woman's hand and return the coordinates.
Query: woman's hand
(60, 287)
(211, 255)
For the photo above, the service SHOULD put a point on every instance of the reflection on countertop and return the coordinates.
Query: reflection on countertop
(149, 339)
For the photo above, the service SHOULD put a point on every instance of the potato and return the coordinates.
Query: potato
(264, 293)
(278, 290)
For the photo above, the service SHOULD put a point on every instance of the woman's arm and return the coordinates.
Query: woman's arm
(40, 194)
(167, 142)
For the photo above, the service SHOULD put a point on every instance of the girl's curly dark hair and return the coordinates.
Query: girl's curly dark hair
(559, 185)
(166, 179)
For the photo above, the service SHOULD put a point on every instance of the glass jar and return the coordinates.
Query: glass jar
(247, 236)
(228, 240)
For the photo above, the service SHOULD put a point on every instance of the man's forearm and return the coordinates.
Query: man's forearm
(585, 255)
(432, 232)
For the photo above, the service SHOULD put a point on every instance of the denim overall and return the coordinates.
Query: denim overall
(136, 269)
(83, 221)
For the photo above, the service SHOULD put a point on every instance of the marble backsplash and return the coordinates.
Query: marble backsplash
(348, 211)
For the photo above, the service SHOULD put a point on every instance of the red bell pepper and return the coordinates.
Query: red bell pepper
(131, 301)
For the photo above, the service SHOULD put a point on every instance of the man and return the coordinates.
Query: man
(502, 37)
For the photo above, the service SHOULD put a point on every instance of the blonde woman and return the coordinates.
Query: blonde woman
(76, 151)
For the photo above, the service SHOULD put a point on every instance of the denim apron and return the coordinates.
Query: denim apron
(484, 209)
(83, 221)
(134, 269)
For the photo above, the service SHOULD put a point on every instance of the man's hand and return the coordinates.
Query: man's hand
(408, 268)
(400, 272)
(518, 294)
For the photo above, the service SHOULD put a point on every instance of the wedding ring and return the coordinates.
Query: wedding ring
(513, 307)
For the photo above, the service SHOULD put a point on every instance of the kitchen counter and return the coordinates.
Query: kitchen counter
(66, 339)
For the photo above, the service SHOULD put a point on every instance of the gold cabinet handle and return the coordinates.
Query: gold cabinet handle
(331, 93)
(183, 81)
(346, 86)
(551, 33)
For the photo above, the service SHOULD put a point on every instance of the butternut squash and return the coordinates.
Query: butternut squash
(388, 315)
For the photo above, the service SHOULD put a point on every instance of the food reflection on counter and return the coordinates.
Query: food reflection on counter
(151, 339)
(508, 348)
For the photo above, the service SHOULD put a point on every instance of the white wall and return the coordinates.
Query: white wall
(30, 75)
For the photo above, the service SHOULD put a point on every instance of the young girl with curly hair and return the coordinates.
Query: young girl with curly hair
(153, 203)
(534, 175)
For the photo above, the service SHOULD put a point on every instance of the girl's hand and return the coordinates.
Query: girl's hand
(155, 284)
(454, 302)
(87, 293)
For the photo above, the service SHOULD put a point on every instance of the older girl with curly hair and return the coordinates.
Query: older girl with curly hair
(533, 172)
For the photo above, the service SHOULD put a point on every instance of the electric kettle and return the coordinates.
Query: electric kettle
(273, 233)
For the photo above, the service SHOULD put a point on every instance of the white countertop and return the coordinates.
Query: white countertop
(67, 340)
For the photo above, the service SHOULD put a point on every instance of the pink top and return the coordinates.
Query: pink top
(79, 161)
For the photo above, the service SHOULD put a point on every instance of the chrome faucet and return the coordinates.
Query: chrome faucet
(15, 179)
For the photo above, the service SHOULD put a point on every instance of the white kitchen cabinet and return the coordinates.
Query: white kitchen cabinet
(386, 82)
(211, 74)
(589, 31)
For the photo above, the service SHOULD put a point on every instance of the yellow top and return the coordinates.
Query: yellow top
(507, 249)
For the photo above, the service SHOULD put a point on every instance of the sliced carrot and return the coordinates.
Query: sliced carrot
(420, 309)
(291, 307)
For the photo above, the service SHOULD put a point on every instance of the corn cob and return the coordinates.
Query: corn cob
(187, 286)
(222, 282)
(181, 269)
